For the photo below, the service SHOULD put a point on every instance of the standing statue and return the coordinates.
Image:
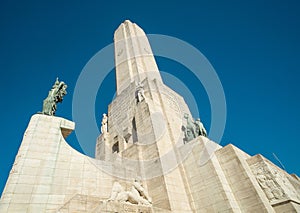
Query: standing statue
(200, 130)
(189, 130)
(140, 93)
(55, 96)
(104, 128)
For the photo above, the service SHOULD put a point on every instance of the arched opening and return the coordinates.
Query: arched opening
(115, 147)
(134, 133)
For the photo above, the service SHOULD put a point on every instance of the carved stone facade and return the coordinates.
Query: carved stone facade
(268, 183)
(274, 182)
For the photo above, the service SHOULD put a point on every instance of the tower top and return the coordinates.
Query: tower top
(133, 56)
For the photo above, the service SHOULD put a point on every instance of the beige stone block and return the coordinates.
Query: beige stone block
(239, 177)
(64, 158)
(39, 198)
(42, 189)
(34, 208)
(50, 156)
(24, 188)
(32, 162)
(77, 166)
(21, 198)
(78, 159)
(75, 181)
(17, 208)
(29, 170)
(27, 179)
(10, 188)
(35, 154)
(51, 208)
(43, 180)
(288, 207)
(6, 198)
(60, 180)
(56, 199)
(75, 173)
(46, 171)
(13, 178)
(73, 190)
(4, 207)
(65, 165)
(222, 206)
(58, 189)
(61, 173)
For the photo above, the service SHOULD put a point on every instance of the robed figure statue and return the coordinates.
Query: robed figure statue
(55, 96)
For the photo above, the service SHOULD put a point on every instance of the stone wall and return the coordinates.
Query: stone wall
(47, 172)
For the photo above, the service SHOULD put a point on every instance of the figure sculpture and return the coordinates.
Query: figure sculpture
(55, 96)
(269, 185)
(137, 194)
(104, 128)
(193, 129)
(118, 193)
(140, 94)
(200, 130)
(189, 130)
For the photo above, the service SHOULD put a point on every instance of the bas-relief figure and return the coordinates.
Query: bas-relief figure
(274, 183)
(137, 194)
(269, 186)
(281, 178)
(55, 96)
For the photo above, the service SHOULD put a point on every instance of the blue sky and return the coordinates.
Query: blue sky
(253, 46)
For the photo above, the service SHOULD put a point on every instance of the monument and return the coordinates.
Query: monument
(55, 96)
(151, 155)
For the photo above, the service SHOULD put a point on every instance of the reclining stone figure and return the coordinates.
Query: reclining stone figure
(137, 194)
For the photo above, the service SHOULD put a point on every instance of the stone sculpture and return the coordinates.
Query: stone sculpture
(140, 93)
(118, 193)
(189, 130)
(55, 96)
(193, 129)
(268, 183)
(104, 124)
(200, 130)
(137, 194)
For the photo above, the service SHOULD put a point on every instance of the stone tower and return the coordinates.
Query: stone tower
(150, 156)
(145, 120)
